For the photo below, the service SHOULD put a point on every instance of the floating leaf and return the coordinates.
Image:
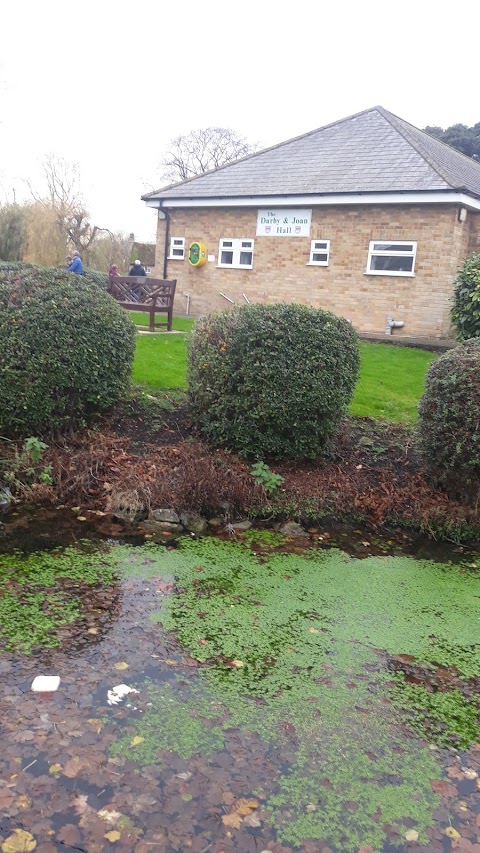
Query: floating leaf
(19, 841)
(232, 820)
(55, 768)
(238, 663)
(136, 740)
(411, 835)
(113, 835)
(244, 807)
(452, 833)
(23, 801)
(121, 665)
(313, 631)
(186, 798)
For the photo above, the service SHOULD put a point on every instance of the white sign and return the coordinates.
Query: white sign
(284, 223)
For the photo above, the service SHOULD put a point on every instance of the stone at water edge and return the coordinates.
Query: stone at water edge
(194, 522)
(164, 515)
(240, 525)
(152, 526)
(6, 499)
(291, 528)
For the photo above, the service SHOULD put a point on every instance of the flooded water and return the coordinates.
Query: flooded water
(251, 694)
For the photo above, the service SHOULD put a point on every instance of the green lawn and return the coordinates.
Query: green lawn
(390, 384)
(391, 381)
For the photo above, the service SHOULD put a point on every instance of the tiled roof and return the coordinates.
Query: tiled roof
(145, 252)
(372, 151)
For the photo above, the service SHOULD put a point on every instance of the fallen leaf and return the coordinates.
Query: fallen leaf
(19, 841)
(311, 807)
(92, 631)
(238, 663)
(233, 819)
(186, 798)
(252, 820)
(452, 833)
(136, 740)
(121, 665)
(72, 767)
(470, 774)
(411, 835)
(170, 662)
(55, 768)
(446, 789)
(113, 835)
(313, 631)
(185, 776)
(81, 518)
(244, 807)
(110, 816)
(23, 801)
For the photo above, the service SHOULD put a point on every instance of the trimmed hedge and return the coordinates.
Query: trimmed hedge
(449, 429)
(272, 380)
(66, 350)
(39, 276)
(466, 300)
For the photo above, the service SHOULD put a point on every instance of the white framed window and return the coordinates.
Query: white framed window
(391, 257)
(177, 249)
(235, 253)
(319, 253)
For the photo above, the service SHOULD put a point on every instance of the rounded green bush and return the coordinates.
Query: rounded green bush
(272, 380)
(449, 428)
(66, 350)
(466, 299)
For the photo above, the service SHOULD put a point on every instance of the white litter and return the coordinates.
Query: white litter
(45, 683)
(116, 694)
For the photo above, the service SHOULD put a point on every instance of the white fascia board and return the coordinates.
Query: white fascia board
(318, 200)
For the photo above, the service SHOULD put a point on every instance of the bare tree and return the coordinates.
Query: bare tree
(63, 198)
(202, 150)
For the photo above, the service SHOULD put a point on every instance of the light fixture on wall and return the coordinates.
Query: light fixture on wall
(462, 214)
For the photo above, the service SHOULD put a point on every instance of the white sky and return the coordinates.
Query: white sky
(109, 83)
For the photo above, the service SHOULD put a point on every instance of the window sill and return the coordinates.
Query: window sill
(316, 264)
(390, 273)
(233, 267)
(175, 258)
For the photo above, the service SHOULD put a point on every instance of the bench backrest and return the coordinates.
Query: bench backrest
(143, 290)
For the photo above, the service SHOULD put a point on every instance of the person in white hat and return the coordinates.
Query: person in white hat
(137, 269)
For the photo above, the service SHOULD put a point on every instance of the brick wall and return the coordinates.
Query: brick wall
(280, 271)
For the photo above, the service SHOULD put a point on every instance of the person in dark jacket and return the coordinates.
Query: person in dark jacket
(137, 269)
(76, 265)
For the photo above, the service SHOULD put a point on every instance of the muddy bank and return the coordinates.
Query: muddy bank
(149, 458)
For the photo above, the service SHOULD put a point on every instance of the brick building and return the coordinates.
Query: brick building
(368, 217)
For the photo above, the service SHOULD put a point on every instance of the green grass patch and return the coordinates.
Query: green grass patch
(161, 360)
(390, 385)
(391, 382)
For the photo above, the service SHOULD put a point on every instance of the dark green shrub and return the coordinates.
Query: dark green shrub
(66, 350)
(272, 379)
(37, 276)
(466, 300)
(449, 429)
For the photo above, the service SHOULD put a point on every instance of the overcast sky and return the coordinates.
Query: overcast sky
(108, 84)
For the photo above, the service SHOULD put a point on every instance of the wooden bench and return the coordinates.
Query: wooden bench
(150, 295)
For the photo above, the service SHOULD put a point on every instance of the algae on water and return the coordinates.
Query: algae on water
(34, 601)
(308, 635)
